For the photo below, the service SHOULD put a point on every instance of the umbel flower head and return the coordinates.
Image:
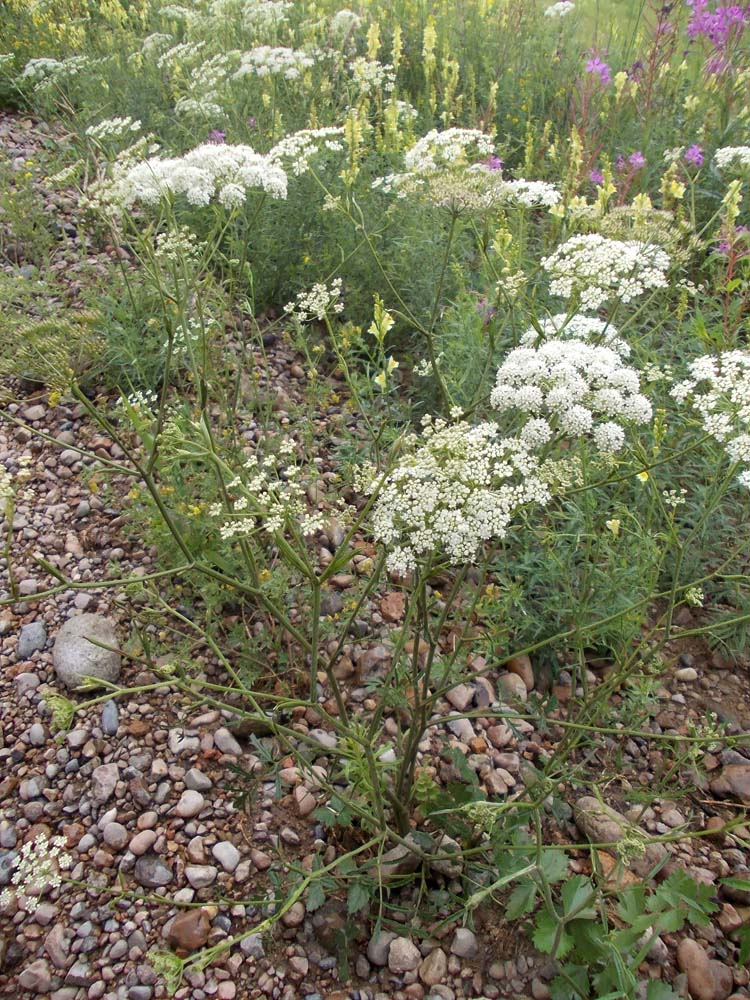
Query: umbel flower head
(599, 270)
(457, 487)
(719, 389)
(576, 327)
(223, 172)
(572, 388)
(38, 866)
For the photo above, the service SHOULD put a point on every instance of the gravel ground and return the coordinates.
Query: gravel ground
(142, 793)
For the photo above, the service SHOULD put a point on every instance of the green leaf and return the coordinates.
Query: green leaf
(680, 894)
(658, 990)
(546, 934)
(357, 897)
(560, 989)
(576, 892)
(632, 903)
(316, 896)
(737, 883)
(554, 865)
(521, 900)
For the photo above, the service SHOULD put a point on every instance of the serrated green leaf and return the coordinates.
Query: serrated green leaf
(658, 990)
(575, 893)
(357, 897)
(316, 896)
(681, 893)
(737, 883)
(560, 989)
(521, 900)
(548, 939)
(554, 865)
(632, 903)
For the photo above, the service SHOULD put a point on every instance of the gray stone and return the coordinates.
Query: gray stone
(403, 955)
(142, 842)
(110, 718)
(31, 638)
(103, 781)
(324, 739)
(252, 946)
(201, 876)
(226, 854)
(603, 825)
(36, 977)
(190, 804)
(377, 949)
(115, 835)
(37, 735)
(151, 872)
(75, 654)
(464, 943)
(79, 975)
(434, 968)
(197, 780)
(225, 742)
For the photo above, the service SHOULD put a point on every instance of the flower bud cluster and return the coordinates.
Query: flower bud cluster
(572, 388)
(265, 60)
(316, 303)
(456, 488)
(599, 270)
(295, 151)
(719, 389)
(576, 327)
(37, 867)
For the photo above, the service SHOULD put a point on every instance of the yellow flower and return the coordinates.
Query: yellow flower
(380, 381)
(643, 476)
(391, 365)
(614, 526)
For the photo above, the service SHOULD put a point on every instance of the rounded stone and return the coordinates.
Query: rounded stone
(434, 968)
(226, 854)
(142, 842)
(115, 835)
(190, 804)
(403, 955)
(76, 654)
(464, 943)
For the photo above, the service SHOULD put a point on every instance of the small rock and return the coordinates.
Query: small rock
(201, 876)
(294, 915)
(252, 946)
(75, 655)
(103, 781)
(151, 872)
(686, 674)
(464, 943)
(733, 780)
(331, 604)
(31, 638)
(403, 955)
(36, 977)
(37, 735)
(513, 687)
(602, 825)
(225, 742)
(434, 968)
(142, 842)
(188, 931)
(226, 854)
(190, 804)
(460, 697)
(197, 781)
(323, 738)
(393, 606)
(305, 801)
(521, 667)
(378, 948)
(110, 718)
(702, 978)
(115, 836)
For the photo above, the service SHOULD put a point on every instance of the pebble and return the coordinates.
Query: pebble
(197, 781)
(189, 930)
(151, 872)
(226, 854)
(225, 742)
(36, 977)
(110, 718)
(103, 781)
(378, 947)
(294, 915)
(464, 943)
(602, 825)
(707, 980)
(686, 674)
(31, 638)
(403, 955)
(190, 804)
(115, 835)
(37, 735)
(201, 876)
(434, 968)
(252, 946)
(142, 842)
(521, 667)
(74, 656)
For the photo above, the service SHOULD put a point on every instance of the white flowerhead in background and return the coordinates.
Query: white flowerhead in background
(576, 327)
(736, 157)
(37, 867)
(560, 9)
(578, 389)
(719, 389)
(266, 60)
(456, 488)
(599, 270)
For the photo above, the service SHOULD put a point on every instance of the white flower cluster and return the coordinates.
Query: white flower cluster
(177, 244)
(156, 43)
(560, 9)
(46, 72)
(180, 55)
(576, 327)
(268, 495)
(317, 302)
(344, 22)
(37, 866)
(733, 156)
(264, 14)
(599, 270)
(573, 388)
(458, 488)
(719, 389)
(530, 194)
(112, 128)
(295, 151)
(268, 61)
(450, 148)
(224, 172)
(370, 76)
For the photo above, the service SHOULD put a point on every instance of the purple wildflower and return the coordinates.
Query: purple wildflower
(217, 137)
(741, 236)
(620, 162)
(637, 159)
(717, 25)
(595, 65)
(694, 155)
(494, 163)
(596, 176)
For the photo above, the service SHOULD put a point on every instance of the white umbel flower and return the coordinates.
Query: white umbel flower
(458, 487)
(561, 326)
(719, 389)
(737, 157)
(578, 389)
(599, 270)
